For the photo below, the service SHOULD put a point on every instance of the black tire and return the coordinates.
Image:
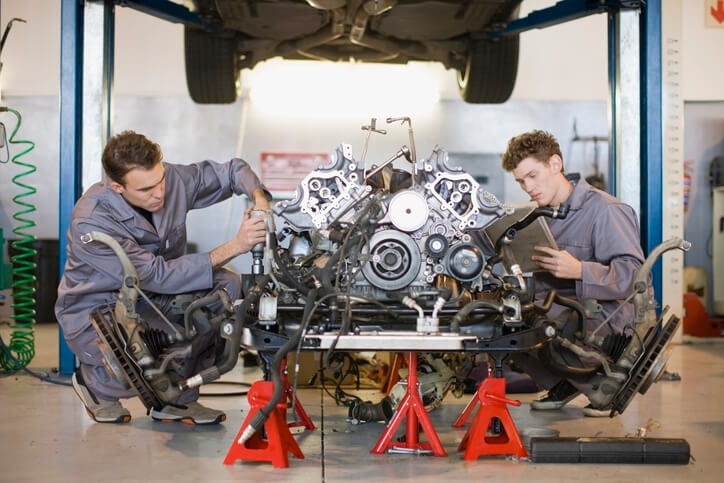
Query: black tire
(212, 74)
(490, 71)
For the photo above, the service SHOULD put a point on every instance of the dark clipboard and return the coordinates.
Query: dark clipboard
(537, 233)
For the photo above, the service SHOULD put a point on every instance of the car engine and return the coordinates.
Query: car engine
(388, 259)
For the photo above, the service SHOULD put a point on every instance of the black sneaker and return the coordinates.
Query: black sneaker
(100, 410)
(556, 397)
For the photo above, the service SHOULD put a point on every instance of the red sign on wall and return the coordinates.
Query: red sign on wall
(284, 171)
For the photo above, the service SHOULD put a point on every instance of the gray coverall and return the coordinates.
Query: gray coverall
(603, 233)
(92, 274)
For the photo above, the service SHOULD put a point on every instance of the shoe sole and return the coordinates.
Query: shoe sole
(120, 419)
(126, 418)
(552, 405)
(190, 421)
(596, 413)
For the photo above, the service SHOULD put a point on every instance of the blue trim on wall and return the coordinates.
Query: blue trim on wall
(71, 112)
(651, 136)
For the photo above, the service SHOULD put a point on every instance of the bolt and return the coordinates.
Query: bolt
(228, 329)
(550, 331)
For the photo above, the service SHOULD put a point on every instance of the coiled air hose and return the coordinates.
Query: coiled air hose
(22, 339)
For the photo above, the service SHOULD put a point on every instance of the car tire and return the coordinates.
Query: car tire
(212, 74)
(490, 70)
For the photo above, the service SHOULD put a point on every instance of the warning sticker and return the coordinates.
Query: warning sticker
(284, 171)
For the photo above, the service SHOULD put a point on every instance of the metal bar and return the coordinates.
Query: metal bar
(97, 72)
(628, 108)
(393, 341)
(651, 136)
(71, 138)
(612, 111)
(166, 10)
(561, 12)
(110, 49)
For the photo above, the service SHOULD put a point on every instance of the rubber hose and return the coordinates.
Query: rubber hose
(22, 339)
(276, 364)
(463, 313)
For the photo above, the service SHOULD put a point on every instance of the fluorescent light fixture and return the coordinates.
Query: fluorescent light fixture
(310, 89)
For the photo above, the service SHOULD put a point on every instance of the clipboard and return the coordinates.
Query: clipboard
(537, 233)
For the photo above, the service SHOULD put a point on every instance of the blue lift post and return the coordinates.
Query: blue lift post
(71, 137)
(651, 137)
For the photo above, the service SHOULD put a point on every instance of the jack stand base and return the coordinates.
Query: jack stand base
(476, 442)
(279, 440)
(304, 419)
(412, 407)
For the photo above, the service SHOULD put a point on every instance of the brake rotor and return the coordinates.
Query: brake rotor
(649, 367)
(118, 363)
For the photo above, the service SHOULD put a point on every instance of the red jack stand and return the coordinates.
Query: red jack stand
(491, 396)
(412, 407)
(304, 419)
(279, 440)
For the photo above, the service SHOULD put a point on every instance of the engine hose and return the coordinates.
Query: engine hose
(22, 339)
(463, 313)
(547, 356)
(257, 422)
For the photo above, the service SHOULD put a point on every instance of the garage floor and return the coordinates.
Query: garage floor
(46, 435)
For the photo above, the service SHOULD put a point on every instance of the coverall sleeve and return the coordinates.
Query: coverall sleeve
(187, 273)
(211, 182)
(617, 255)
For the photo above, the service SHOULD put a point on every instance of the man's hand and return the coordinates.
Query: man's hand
(251, 231)
(559, 262)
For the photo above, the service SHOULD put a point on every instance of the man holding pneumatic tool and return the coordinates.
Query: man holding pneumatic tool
(143, 204)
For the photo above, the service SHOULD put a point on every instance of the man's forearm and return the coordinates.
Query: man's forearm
(222, 254)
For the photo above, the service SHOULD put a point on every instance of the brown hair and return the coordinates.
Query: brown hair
(540, 145)
(128, 150)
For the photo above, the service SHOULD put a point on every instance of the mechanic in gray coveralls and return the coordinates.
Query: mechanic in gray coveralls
(142, 204)
(599, 249)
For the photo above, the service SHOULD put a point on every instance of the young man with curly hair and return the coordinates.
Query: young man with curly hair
(599, 250)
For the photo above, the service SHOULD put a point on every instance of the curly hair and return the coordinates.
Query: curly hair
(128, 150)
(540, 145)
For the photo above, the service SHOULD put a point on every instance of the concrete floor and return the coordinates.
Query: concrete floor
(46, 435)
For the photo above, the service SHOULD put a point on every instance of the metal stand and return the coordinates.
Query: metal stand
(279, 440)
(304, 419)
(412, 407)
(505, 440)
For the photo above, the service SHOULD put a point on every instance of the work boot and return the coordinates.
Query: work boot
(592, 412)
(190, 413)
(100, 410)
(556, 397)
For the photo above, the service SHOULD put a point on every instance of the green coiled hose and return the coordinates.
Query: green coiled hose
(22, 339)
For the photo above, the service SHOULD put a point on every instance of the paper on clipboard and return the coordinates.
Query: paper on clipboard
(537, 233)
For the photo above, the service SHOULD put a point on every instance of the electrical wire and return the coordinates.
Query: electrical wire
(22, 339)
(5, 352)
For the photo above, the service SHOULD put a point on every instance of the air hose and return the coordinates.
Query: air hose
(22, 339)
